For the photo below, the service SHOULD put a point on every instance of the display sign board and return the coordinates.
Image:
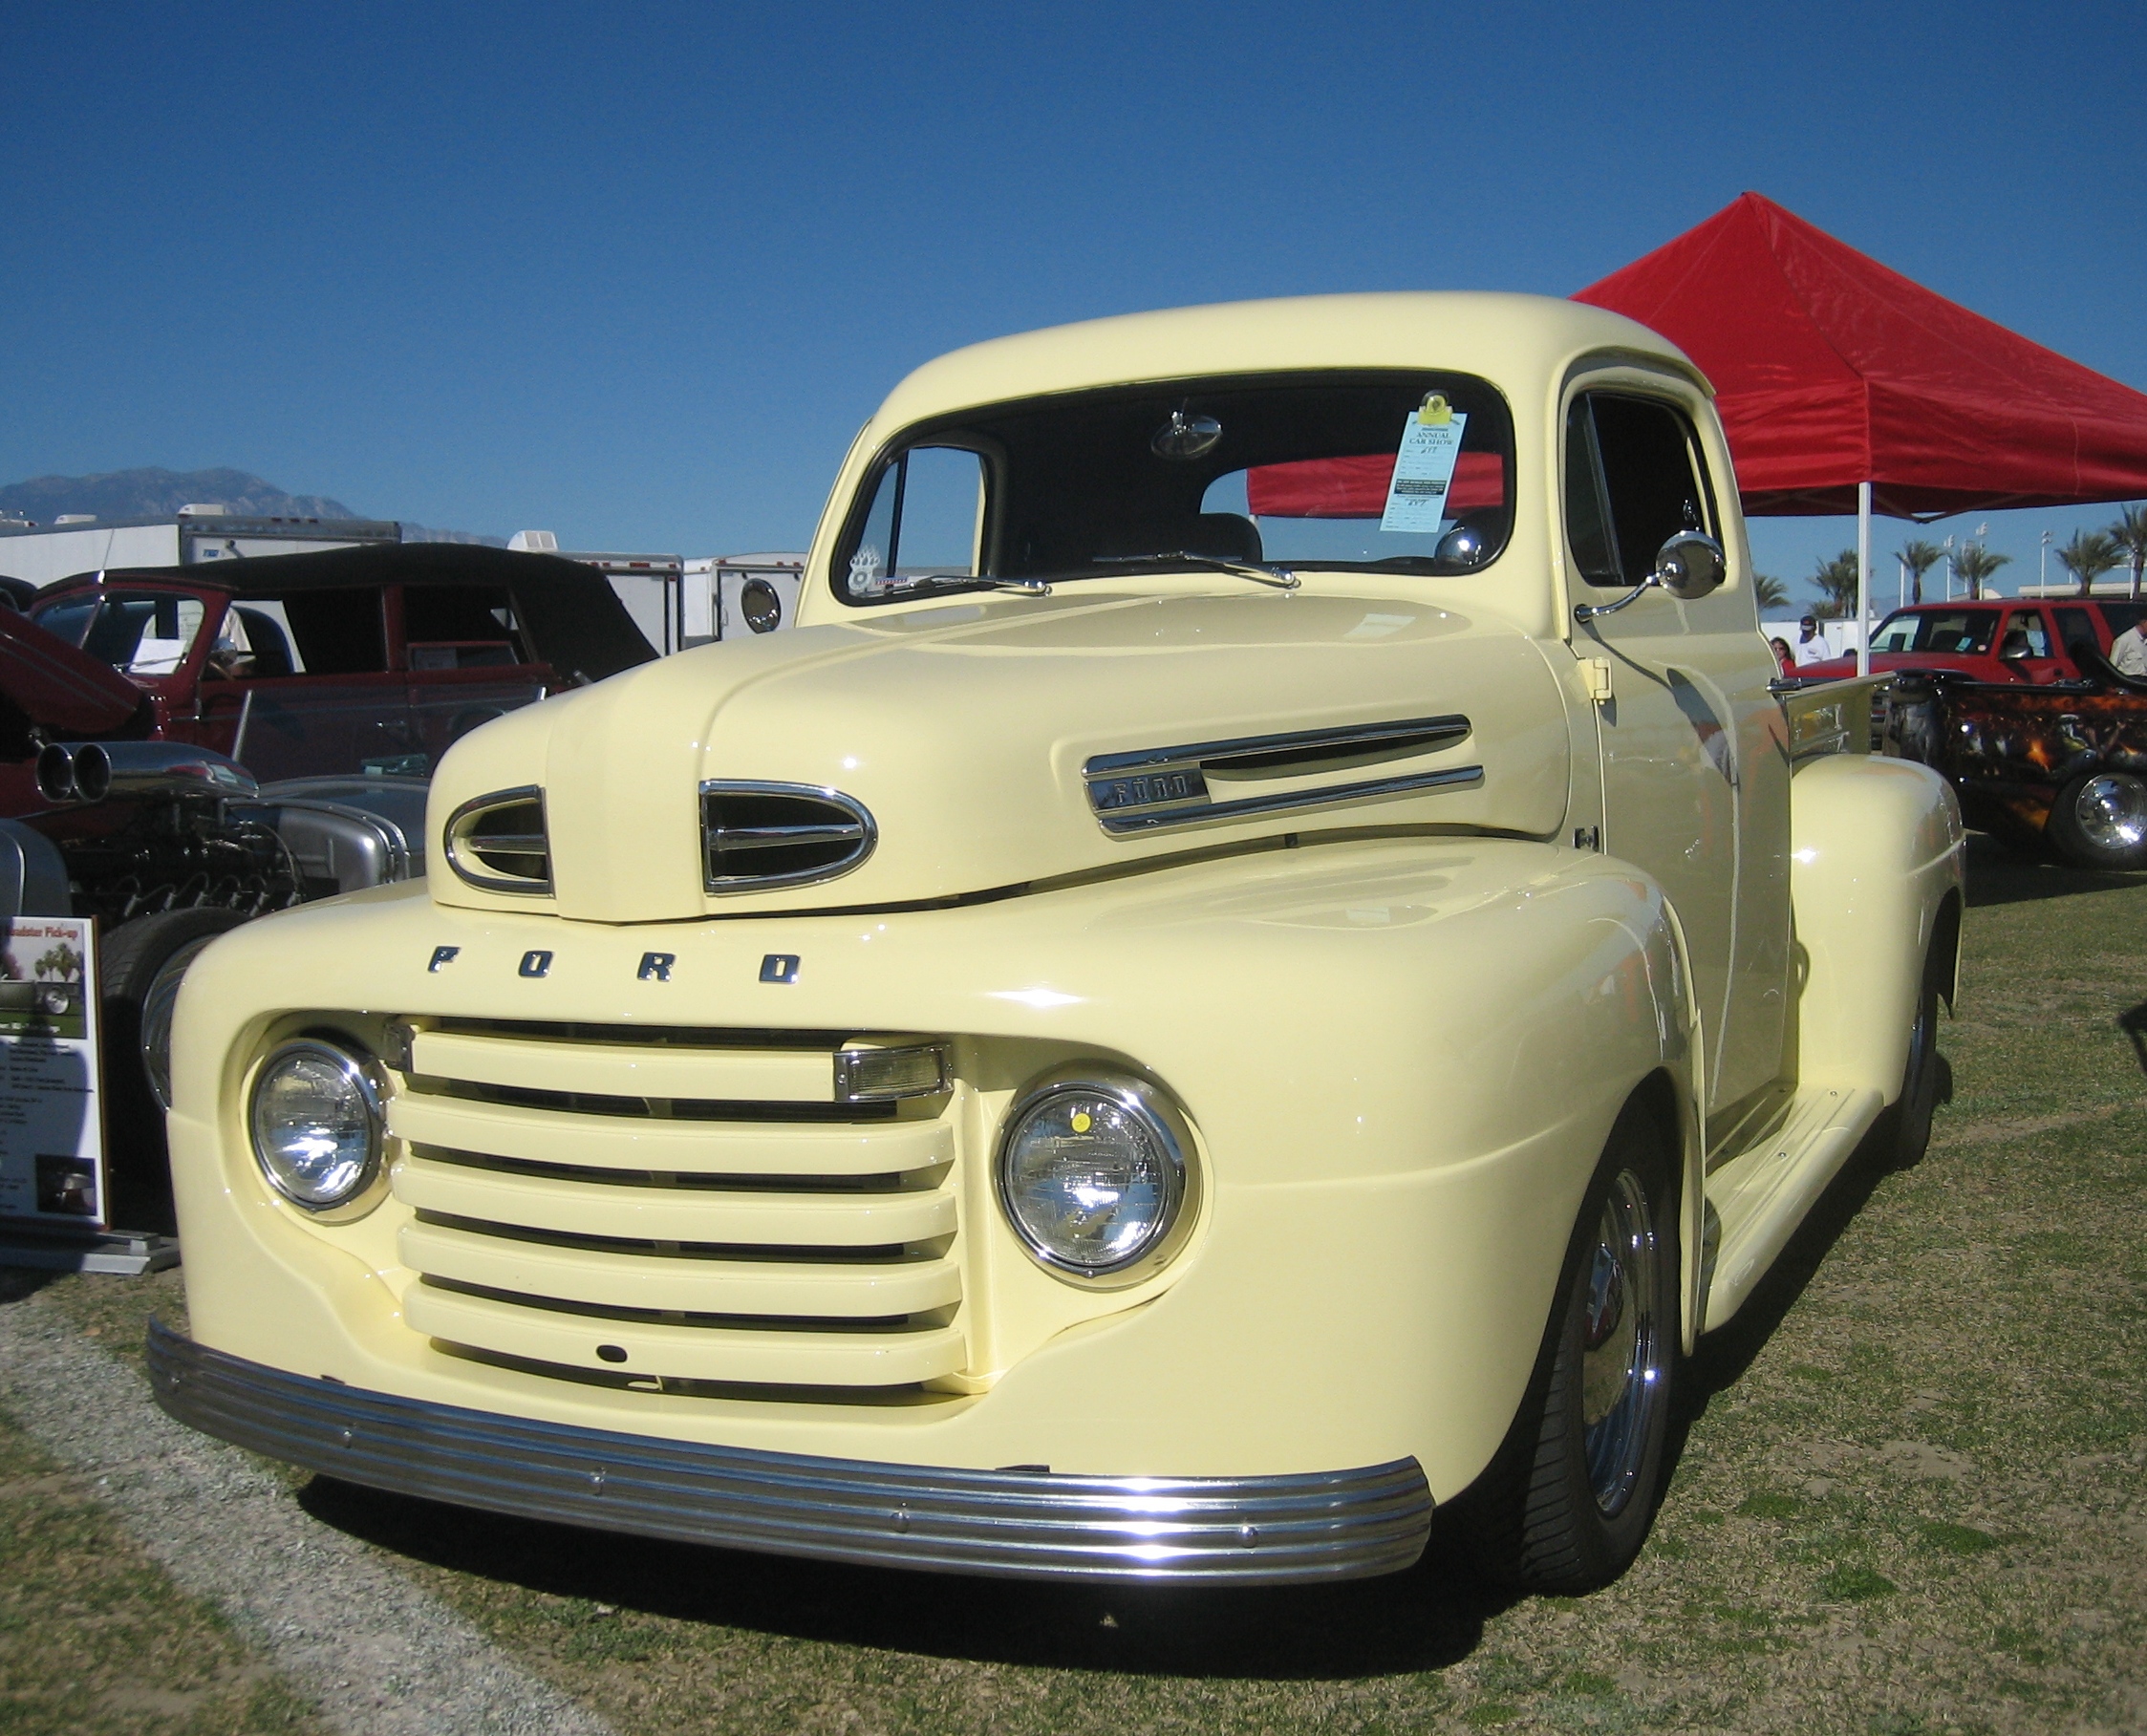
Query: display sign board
(52, 1123)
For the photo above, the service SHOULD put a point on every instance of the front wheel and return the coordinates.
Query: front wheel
(141, 967)
(2099, 821)
(1568, 1504)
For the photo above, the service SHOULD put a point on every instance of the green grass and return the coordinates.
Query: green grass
(1913, 1497)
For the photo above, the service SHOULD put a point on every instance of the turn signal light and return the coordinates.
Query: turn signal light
(878, 1075)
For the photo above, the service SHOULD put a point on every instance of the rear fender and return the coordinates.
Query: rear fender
(1876, 881)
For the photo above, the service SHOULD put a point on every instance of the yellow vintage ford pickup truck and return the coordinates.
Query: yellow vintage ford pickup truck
(1267, 955)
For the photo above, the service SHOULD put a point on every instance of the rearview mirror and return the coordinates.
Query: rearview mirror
(1689, 565)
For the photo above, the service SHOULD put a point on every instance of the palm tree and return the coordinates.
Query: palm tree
(1919, 557)
(1836, 581)
(1771, 592)
(1977, 565)
(2130, 534)
(2088, 556)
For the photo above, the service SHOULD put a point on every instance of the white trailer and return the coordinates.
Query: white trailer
(728, 596)
(45, 554)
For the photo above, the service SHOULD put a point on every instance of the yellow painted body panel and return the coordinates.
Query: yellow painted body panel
(1400, 1029)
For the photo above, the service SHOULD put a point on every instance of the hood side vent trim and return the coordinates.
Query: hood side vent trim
(753, 836)
(1168, 786)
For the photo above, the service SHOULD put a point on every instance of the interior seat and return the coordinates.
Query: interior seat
(271, 647)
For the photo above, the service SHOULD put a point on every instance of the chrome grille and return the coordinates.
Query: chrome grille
(757, 835)
(499, 842)
(711, 1219)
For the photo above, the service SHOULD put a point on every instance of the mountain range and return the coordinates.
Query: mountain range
(155, 494)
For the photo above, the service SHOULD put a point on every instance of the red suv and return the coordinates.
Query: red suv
(2001, 640)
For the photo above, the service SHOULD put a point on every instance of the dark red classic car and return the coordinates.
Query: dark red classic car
(2061, 766)
(373, 658)
(127, 701)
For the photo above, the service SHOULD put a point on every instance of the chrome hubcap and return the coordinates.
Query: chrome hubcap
(1621, 1357)
(2113, 812)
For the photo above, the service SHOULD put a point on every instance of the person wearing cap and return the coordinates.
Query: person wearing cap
(1811, 645)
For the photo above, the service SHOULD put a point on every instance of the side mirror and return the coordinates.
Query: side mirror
(1689, 565)
(1460, 546)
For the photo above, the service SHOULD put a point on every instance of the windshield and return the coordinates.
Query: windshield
(1946, 631)
(138, 633)
(1397, 472)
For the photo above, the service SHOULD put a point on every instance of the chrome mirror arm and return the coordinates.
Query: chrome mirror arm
(1589, 611)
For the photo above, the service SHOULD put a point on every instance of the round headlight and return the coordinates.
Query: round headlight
(1092, 1172)
(315, 1118)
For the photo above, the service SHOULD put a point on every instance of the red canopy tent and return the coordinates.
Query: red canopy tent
(1845, 387)
(1831, 371)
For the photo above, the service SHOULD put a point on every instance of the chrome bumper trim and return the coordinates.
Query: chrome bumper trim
(1247, 1530)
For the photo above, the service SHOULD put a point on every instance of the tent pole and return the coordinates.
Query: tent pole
(1863, 578)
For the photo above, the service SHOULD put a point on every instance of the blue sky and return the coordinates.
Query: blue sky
(636, 274)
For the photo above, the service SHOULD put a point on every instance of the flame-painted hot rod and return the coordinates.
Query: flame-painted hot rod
(1265, 957)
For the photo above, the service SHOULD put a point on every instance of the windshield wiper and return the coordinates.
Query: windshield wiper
(1280, 577)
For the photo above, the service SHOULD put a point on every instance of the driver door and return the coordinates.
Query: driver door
(1695, 770)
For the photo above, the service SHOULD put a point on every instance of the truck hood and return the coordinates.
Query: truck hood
(66, 693)
(992, 745)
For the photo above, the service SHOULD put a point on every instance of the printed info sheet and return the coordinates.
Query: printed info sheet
(51, 1127)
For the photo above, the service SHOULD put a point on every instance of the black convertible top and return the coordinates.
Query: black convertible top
(573, 618)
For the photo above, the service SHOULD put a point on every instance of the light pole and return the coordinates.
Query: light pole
(2043, 571)
(1949, 569)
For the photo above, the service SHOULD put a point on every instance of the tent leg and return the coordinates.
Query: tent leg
(1863, 578)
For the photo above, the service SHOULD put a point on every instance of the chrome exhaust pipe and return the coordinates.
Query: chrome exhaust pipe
(90, 771)
(73, 772)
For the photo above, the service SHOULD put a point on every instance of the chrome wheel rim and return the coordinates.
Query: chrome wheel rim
(157, 1007)
(2112, 812)
(1622, 1380)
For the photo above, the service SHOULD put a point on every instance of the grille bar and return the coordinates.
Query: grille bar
(686, 1353)
(776, 837)
(695, 1286)
(676, 1214)
(680, 1148)
(630, 1069)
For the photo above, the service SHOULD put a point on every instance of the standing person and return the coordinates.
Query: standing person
(1783, 656)
(2128, 651)
(1811, 644)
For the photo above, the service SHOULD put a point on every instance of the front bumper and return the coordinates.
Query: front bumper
(1244, 1529)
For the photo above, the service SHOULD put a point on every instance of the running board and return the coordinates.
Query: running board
(1757, 1199)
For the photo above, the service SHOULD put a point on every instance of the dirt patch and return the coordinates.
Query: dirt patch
(94, 1637)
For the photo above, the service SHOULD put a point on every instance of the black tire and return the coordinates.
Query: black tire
(1568, 1501)
(1908, 1134)
(2099, 821)
(137, 1164)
